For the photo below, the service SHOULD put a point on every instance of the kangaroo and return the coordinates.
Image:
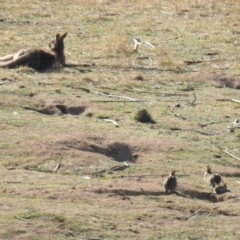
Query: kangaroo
(38, 59)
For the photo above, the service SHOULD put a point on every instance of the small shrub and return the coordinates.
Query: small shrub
(60, 218)
(143, 116)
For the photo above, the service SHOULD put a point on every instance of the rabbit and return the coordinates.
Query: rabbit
(221, 189)
(170, 183)
(212, 178)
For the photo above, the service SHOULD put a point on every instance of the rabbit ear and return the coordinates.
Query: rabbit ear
(209, 170)
(173, 172)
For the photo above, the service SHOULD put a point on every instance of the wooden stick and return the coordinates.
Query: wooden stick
(137, 42)
(57, 167)
(193, 130)
(108, 95)
(232, 127)
(194, 100)
(235, 100)
(194, 214)
(206, 124)
(231, 155)
(112, 95)
(180, 116)
(149, 44)
(112, 121)
(6, 81)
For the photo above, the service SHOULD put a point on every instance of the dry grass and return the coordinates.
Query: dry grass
(186, 82)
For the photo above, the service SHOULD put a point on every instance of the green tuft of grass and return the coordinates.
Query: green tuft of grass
(59, 218)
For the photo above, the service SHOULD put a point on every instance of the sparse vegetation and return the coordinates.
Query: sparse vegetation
(63, 172)
(143, 116)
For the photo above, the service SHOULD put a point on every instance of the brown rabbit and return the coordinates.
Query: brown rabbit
(170, 183)
(212, 178)
(221, 189)
(38, 59)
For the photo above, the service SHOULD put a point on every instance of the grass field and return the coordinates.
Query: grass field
(61, 157)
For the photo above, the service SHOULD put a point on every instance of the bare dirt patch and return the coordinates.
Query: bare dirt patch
(56, 106)
(86, 152)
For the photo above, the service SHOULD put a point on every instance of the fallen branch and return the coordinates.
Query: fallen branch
(192, 130)
(108, 95)
(57, 167)
(194, 214)
(232, 127)
(231, 155)
(180, 116)
(235, 100)
(112, 95)
(119, 168)
(112, 121)
(1, 83)
(202, 132)
(206, 124)
(235, 124)
(137, 42)
(194, 100)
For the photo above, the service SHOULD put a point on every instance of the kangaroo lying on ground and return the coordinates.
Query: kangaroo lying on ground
(38, 59)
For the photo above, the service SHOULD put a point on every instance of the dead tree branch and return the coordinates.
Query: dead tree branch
(231, 155)
(232, 127)
(193, 215)
(180, 116)
(205, 124)
(112, 121)
(57, 167)
(235, 100)
(137, 42)
(108, 95)
(193, 130)
(3, 82)
(112, 95)
(194, 100)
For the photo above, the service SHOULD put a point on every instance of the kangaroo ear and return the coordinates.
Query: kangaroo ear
(64, 35)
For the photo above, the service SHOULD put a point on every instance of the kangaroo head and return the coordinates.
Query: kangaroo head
(173, 173)
(58, 44)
